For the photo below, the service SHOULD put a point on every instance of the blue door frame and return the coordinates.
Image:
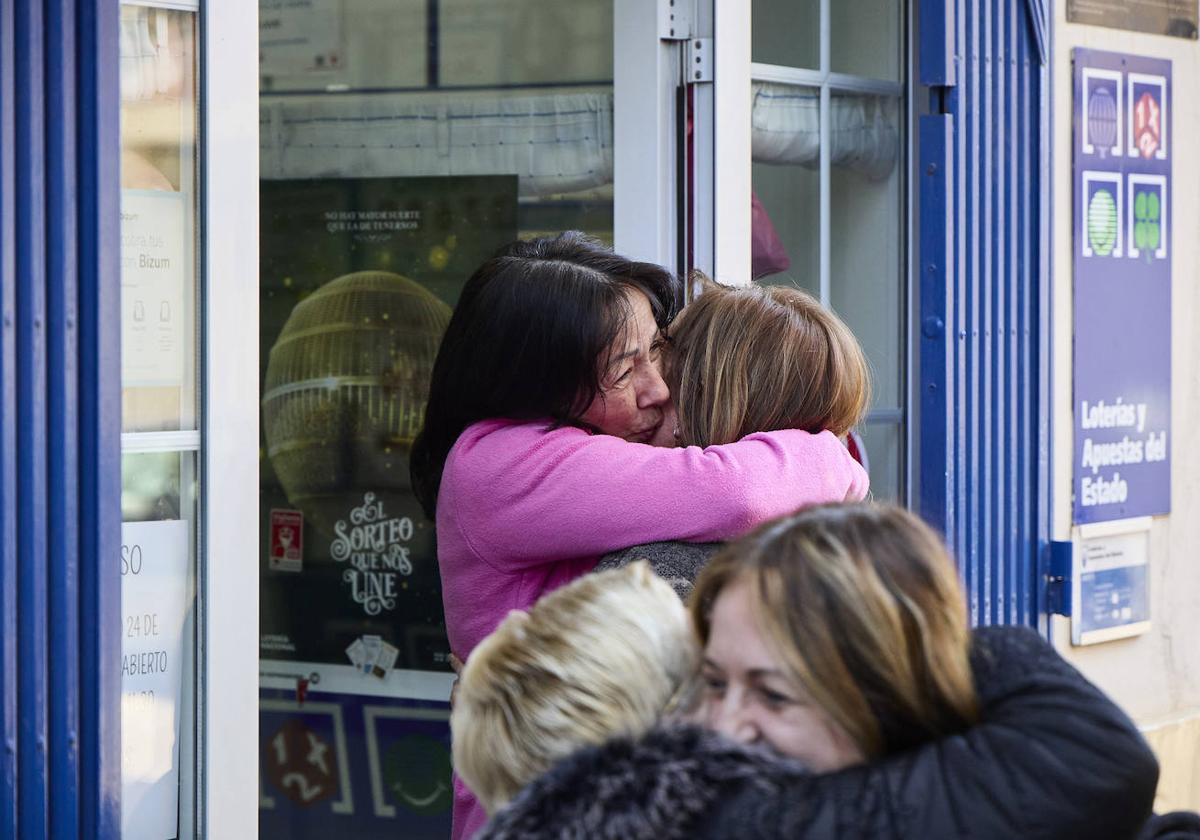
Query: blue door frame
(983, 297)
(60, 418)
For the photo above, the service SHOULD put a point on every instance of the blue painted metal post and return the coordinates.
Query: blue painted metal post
(8, 429)
(100, 417)
(981, 291)
(99, 213)
(935, 499)
(32, 805)
(62, 354)
(60, 418)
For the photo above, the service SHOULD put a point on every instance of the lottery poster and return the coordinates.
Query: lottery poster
(1123, 211)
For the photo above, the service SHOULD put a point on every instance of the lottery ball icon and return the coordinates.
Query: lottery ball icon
(1102, 223)
(1102, 118)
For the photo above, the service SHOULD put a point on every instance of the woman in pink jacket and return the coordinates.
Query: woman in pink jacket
(534, 462)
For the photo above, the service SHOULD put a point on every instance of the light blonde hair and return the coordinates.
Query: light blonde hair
(863, 606)
(603, 656)
(760, 358)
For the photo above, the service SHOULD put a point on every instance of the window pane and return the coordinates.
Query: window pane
(489, 44)
(785, 223)
(885, 457)
(159, 339)
(866, 38)
(787, 32)
(160, 329)
(867, 287)
(866, 277)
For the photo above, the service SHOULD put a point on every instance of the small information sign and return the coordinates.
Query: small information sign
(154, 270)
(1111, 582)
(1122, 294)
(154, 568)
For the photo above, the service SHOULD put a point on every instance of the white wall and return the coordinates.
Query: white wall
(1155, 677)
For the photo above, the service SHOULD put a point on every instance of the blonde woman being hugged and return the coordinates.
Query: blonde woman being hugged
(746, 359)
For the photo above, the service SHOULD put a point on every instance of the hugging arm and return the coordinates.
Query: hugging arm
(538, 497)
(1051, 757)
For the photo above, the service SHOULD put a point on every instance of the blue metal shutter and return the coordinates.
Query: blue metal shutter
(59, 419)
(983, 288)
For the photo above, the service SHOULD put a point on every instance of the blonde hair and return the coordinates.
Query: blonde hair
(863, 606)
(603, 656)
(760, 358)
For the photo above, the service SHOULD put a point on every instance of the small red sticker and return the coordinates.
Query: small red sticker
(1147, 125)
(287, 541)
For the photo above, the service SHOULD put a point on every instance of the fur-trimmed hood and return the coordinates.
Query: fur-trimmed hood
(657, 788)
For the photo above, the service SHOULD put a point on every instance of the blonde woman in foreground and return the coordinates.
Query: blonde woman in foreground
(848, 696)
(603, 656)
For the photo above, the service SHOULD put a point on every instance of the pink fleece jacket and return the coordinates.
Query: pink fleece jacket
(523, 510)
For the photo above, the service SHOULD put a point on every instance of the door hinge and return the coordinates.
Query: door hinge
(1058, 577)
(943, 99)
(675, 19)
(699, 60)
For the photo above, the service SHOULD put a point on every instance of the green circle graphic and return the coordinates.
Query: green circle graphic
(1102, 223)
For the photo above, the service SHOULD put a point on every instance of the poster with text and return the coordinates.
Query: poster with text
(154, 578)
(1122, 290)
(358, 280)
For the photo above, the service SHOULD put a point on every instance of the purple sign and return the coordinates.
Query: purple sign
(1122, 364)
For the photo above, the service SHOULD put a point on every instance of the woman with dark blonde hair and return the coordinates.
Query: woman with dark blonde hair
(851, 700)
(837, 635)
(746, 359)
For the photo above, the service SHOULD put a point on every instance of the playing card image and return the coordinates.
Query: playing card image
(371, 648)
(386, 660)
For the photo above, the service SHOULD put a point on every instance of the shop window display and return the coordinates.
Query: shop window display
(401, 145)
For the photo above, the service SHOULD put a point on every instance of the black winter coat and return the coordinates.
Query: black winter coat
(1051, 758)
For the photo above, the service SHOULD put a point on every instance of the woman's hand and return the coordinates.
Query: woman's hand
(456, 665)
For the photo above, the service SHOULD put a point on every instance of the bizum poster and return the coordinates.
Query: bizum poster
(358, 278)
(1122, 253)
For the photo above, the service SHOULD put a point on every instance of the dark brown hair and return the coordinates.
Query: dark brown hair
(528, 340)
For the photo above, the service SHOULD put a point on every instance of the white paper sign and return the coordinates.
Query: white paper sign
(154, 272)
(299, 36)
(154, 566)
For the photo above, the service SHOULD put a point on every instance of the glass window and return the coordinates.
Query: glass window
(161, 441)
(829, 211)
(866, 38)
(401, 144)
(786, 32)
